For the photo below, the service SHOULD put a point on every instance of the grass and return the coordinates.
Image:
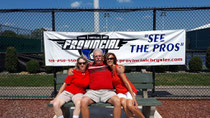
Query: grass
(26, 80)
(163, 79)
(180, 79)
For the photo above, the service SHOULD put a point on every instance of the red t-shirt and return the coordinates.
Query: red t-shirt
(78, 82)
(119, 84)
(100, 77)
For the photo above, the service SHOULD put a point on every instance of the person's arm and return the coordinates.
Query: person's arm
(66, 82)
(120, 71)
(61, 89)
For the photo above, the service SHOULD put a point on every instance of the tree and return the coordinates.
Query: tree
(37, 33)
(161, 69)
(195, 64)
(208, 58)
(26, 36)
(33, 66)
(8, 33)
(11, 60)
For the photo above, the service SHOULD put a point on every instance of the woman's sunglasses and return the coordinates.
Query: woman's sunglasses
(112, 58)
(80, 63)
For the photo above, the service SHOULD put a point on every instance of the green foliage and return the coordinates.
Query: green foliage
(37, 33)
(28, 80)
(161, 79)
(161, 69)
(49, 69)
(25, 36)
(128, 69)
(182, 79)
(11, 60)
(33, 66)
(8, 33)
(208, 58)
(174, 68)
(195, 64)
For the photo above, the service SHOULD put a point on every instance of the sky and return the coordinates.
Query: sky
(36, 4)
(132, 21)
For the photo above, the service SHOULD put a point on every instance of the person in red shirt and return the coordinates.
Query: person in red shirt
(100, 86)
(124, 88)
(73, 88)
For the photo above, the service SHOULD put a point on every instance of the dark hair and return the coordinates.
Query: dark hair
(107, 56)
(82, 57)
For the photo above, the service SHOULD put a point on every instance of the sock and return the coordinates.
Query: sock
(55, 116)
(75, 116)
(61, 116)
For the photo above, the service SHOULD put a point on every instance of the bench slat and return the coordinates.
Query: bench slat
(139, 77)
(138, 86)
(141, 102)
(61, 78)
(142, 86)
(58, 86)
(148, 102)
(134, 77)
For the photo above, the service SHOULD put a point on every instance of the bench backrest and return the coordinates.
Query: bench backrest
(59, 80)
(142, 81)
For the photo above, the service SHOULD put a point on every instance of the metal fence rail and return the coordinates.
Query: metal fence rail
(22, 28)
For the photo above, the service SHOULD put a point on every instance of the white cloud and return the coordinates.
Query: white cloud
(123, 1)
(8, 24)
(76, 4)
(48, 28)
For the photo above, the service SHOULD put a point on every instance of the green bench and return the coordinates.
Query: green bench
(142, 82)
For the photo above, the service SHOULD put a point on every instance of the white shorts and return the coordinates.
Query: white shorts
(126, 95)
(102, 95)
(67, 96)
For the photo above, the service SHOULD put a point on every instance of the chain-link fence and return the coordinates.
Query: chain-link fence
(22, 29)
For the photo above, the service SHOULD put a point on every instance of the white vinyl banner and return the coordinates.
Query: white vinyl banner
(145, 48)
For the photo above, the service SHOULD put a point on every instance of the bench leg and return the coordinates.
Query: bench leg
(148, 111)
(66, 112)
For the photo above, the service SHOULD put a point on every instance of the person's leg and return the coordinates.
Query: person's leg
(127, 111)
(133, 109)
(85, 102)
(117, 106)
(57, 107)
(65, 96)
(77, 102)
